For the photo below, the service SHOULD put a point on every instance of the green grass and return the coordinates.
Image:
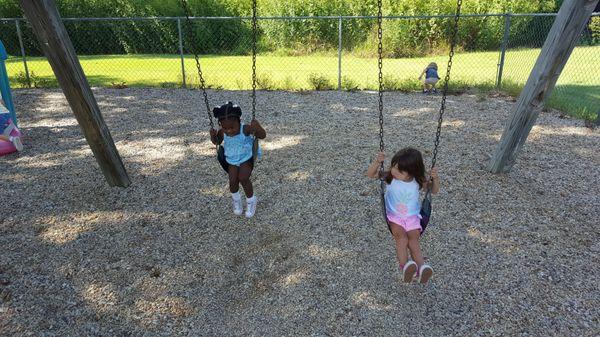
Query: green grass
(577, 91)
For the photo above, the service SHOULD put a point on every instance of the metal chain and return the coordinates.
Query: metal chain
(382, 183)
(446, 80)
(197, 58)
(254, 29)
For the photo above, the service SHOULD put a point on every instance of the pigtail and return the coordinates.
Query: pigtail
(227, 111)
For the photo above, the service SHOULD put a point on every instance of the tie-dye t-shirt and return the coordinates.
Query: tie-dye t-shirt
(402, 199)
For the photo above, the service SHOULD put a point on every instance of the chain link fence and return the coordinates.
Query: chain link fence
(337, 52)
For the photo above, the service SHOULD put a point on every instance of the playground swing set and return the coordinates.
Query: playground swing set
(54, 40)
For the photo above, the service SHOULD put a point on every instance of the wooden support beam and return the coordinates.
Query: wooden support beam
(56, 44)
(562, 38)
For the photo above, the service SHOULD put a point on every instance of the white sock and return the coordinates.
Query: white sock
(253, 199)
(236, 196)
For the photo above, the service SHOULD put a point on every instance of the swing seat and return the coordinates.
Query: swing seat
(223, 162)
(425, 213)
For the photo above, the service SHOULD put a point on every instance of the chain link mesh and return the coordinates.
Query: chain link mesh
(302, 53)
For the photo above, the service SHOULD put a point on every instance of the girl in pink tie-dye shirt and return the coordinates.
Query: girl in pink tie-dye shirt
(405, 178)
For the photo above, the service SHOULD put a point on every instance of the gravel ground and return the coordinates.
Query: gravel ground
(514, 254)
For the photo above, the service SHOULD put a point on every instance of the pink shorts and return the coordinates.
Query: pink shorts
(407, 223)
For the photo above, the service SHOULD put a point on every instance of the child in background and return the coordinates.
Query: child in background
(431, 78)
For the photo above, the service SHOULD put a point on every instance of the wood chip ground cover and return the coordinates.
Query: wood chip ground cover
(513, 254)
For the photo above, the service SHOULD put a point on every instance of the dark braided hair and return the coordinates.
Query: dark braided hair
(227, 111)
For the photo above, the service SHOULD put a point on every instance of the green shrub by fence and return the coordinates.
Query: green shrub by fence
(404, 38)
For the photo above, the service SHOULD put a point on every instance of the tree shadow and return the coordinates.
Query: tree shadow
(165, 256)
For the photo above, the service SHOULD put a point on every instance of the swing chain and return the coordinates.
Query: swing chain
(197, 58)
(380, 106)
(446, 80)
(254, 29)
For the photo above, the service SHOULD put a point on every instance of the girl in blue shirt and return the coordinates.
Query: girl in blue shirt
(431, 78)
(237, 139)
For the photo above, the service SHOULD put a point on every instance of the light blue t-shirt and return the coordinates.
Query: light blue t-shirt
(238, 149)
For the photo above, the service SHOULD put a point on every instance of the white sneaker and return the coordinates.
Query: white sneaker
(251, 206)
(17, 143)
(238, 209)
(408, 272)
(425, 273)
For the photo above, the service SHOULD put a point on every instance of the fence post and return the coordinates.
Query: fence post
(23, 52)
(340, 53)
(181, 52)
(504, 47)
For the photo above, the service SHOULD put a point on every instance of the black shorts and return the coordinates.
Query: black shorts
(223, 161)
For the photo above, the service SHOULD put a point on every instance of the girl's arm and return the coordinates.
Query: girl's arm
(373, 170)
(216, 137)
(422, 73)
(255, 129)
(435, 188)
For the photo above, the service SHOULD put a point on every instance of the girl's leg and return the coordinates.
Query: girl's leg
(234, 188)
(234, 182)
(407, 268)
(414, 247)
(244, 178)
(424, 271)
(401, 243)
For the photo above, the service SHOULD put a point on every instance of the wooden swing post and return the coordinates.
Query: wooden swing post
(56, 44)
(562, 38)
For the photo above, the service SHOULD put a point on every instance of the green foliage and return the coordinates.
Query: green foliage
(349, 84)
(319, 82)
(265, 82)
(402, 38)
(391, 82)
(21, 80)
(594, 30)
(169, 85)
(34, 81)
(288, 83)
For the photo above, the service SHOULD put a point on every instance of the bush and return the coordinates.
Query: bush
(390, 82)
(594, 29)
(319, 82)
(349, 84)
(265, 82)
(22, 81)
(288, 83)
(35, 81)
